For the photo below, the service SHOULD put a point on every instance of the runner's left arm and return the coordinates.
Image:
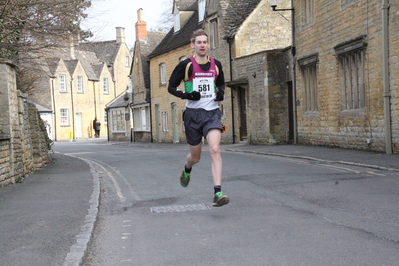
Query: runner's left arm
(220, 83)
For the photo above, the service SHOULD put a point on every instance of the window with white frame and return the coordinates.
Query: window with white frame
(63, 86)
(214, 34)
(310, 87)
(162, 72)
(64, 116)
(201, 10)
(105, 86)
(177, 21)
(307, 13)
(141, 118)
(118, 123)
(165, 121)
(351, 67)
(80, 84)
(105, 117)
(127, 61)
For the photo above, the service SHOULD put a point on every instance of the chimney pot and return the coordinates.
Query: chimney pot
(140, 14)
(120, 35)
(141, 26)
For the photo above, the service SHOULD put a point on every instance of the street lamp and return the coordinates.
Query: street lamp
(273, 4)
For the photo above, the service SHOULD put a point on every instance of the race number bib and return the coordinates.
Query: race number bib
(205, 86)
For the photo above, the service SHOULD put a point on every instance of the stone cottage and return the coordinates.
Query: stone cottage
(348, 73)
(77, 80)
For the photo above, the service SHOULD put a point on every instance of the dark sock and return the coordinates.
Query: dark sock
(217, 189)
(187, 170)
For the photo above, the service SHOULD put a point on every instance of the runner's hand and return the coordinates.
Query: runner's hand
(194, 96)
(219, 96)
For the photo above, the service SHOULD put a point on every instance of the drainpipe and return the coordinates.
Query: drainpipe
(294, 75)
(150, 102)
(55, 109)
(94, 99)
(387, 92)
(232, 96)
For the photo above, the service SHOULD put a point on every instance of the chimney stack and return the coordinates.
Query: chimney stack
(141, 26)
(73, 43)
(120, 35)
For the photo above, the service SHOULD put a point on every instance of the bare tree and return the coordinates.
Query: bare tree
(29, 28)
(165, 21)
(31, 25)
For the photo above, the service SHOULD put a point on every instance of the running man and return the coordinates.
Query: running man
(204, 86)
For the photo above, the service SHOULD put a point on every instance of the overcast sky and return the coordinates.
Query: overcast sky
(105, 15)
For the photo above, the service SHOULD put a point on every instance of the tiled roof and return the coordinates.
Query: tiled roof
(97, 69)
(119, 101)
(90, 63)
(182, 37)
(153, 39)
(146, 71)
(71, 65)
(105, 51)
(51, 67)
(186, 5)
(236, 13)
(146, 47)
(40, 107)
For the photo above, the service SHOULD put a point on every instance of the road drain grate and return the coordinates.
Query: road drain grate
(180, 208)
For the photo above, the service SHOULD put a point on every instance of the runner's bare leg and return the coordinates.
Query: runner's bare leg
(194, 156)
(213, 137)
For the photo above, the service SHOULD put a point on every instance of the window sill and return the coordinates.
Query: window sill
(354, 112)
(311, 114)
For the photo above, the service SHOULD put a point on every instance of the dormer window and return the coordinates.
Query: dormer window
(177, 21)
(201, 10)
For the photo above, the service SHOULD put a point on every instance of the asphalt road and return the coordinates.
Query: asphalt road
(282, 211)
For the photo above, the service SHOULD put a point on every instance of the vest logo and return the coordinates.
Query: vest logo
(203, 74)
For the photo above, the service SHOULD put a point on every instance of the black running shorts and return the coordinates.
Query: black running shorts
(197, 123)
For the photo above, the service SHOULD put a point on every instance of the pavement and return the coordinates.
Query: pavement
(49, 219)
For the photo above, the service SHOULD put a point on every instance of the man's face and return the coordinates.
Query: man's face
(201, 45)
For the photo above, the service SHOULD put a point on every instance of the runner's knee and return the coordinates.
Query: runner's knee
(214, 150)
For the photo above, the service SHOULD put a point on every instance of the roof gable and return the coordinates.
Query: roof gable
(186, 5)
(105, 51)
(178, 39)
(236, 13)
(122, 100)
(71, 65)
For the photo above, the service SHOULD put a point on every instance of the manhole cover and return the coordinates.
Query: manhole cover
(180, 208)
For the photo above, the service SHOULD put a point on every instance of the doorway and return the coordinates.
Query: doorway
(158, 122)
(243, 113)
(175, 123)
(78, 125)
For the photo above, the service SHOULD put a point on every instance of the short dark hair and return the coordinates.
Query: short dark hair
(197, 33)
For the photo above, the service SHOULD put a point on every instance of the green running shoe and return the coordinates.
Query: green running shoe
(184, 179)
(219, 200)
